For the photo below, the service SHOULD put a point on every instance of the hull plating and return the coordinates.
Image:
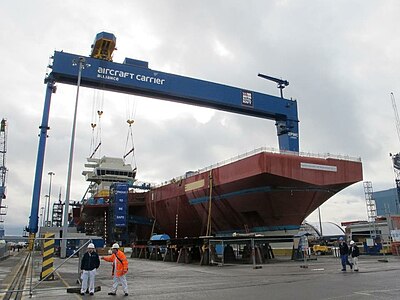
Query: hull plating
(262, 192)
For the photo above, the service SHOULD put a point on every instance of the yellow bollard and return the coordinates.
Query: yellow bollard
(48, 257)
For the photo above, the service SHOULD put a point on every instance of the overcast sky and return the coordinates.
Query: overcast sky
(341, 58)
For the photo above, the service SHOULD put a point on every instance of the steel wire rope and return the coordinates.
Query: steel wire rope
(130, 119)
(93, 123)
(210, 183)
(97, 112)
(100, 112)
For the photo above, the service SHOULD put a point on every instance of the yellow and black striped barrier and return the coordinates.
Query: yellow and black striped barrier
(48, 257)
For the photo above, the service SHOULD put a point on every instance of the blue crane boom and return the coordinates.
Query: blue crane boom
(135, 77)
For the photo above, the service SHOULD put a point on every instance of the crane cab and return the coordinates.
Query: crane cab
(103, 46)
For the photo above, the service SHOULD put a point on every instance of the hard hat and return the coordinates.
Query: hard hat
(341, 239)
(115, 246)
(352, 243)
(91, 246)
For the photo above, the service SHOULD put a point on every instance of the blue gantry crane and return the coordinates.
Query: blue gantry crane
(135, 77)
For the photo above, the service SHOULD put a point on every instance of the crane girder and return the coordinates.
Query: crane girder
(134, 77)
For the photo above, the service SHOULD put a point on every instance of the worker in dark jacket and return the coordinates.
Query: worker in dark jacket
(354, 253)
(344, 254)
(89, 264)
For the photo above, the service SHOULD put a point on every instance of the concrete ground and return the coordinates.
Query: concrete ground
(281, 279)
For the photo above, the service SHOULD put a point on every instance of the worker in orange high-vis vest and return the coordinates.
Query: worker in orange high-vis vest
(120, 268)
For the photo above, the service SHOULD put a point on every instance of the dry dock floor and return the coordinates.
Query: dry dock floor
(280, 279)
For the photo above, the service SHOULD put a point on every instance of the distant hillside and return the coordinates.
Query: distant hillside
(14, 238)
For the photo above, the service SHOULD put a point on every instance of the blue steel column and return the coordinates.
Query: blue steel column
(44, 127)
(288, 135)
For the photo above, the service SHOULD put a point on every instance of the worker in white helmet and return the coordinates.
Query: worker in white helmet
(119, 270)
(89, 264)
(354, 253)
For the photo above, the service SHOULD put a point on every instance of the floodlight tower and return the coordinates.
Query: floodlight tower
(3, 169)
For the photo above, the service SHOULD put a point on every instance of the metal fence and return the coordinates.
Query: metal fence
(31, 268)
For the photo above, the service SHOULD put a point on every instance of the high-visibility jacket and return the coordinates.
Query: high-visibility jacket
(120, 263)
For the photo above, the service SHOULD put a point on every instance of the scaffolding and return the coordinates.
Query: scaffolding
(371, 207)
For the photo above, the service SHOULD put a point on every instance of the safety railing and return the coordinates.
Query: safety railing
(257, 151)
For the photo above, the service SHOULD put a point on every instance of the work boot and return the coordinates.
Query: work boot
(343, 270)
(126, 294)
(112, 293)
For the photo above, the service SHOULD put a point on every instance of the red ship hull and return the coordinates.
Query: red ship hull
(263, 192)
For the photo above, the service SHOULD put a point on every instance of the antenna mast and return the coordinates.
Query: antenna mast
(281, 83)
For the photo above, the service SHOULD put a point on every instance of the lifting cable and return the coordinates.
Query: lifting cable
(93, 123)
(97, 112)
(210, 177)
(153, 211)
(130, 119)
